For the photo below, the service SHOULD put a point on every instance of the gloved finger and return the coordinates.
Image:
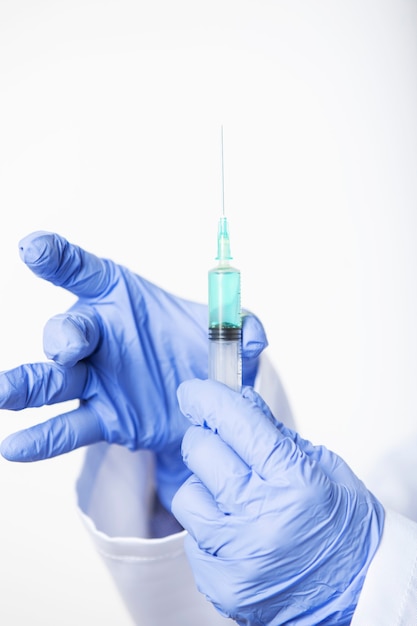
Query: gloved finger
(194, 508)
(36, 384)
(253, 342)
(71, 336)
(56, 436)
(227, 479)
(254, 338)
(241, 424)
(203, 563)
(53, 258)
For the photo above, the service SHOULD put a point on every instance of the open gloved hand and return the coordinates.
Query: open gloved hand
(122, 349)
(280, 531)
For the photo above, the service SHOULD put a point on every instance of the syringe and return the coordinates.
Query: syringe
(225, 320)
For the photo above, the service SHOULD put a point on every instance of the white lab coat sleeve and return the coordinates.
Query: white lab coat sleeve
(116, 504)
(389, 594)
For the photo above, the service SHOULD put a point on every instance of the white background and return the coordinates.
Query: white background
(110, 115)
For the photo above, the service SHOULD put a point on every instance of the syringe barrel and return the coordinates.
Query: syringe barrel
(225, 363)
(225, 326)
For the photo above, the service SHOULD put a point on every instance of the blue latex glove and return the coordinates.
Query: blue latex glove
(122, 349)
(280, 531)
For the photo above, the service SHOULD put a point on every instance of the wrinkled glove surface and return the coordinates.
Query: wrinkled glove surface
(122, 349)
(280, 531)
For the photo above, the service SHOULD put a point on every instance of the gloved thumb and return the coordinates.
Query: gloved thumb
(254, 341)
(254, 338)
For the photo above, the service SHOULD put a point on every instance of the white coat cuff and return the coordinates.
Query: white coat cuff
(389, 594)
